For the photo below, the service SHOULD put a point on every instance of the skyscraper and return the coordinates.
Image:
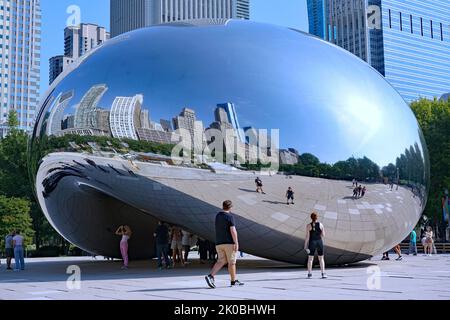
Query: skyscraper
(409, 44)
(78, 40)
(85, 114)
(233, 119)
(20, 40)
(317, 17)
(127, 15)
(125, 117)
(193, 130)
(55, 122)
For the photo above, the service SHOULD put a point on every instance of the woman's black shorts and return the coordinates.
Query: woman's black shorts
(316, 245)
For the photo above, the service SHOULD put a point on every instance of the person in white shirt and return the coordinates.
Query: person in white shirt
(18, 243)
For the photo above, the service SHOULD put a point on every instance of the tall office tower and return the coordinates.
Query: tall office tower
(20, 40)
(233, 119)
(409, 43)
(145, 119)
(85, 114)
(78, 40)
(102, 118)
(195, 129)
(125, 117)
(55, 122)
(317, 17)
(127, 15)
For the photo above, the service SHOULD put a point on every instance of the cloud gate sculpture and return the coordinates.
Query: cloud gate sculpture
(167, 122)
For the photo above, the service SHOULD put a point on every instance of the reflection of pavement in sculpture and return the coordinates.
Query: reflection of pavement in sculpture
(356, 229)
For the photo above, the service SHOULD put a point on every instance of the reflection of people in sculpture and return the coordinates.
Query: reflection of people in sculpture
(290, 195)
(259, 185)
(125, 232)
(315, 232)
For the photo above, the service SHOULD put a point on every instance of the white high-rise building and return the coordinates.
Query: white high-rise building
(125, 117)
(127, 15)
(85, 114)
(20, 46)
(78, 40)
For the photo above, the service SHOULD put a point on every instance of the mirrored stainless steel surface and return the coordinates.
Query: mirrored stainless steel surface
(101, 154)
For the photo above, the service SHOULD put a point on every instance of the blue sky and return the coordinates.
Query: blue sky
(290, 13)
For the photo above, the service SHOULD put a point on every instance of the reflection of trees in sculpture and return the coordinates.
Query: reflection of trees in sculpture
(362, 169)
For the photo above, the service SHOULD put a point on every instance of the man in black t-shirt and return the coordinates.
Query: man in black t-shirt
(227, 246)
(161, 236)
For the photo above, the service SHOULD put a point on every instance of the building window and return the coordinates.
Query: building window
(390, 19)
(401, 22)
(421, 27)
(431, 28)
(411, 23)
(442, 32)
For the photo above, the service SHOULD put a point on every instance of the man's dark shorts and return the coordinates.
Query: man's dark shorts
(9, 252)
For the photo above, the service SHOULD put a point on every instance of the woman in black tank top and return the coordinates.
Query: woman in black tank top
(313, 242)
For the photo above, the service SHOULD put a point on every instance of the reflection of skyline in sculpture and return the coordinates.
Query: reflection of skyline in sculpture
(191, 129)
(85, 111)
(55, 122)
(233, 118)
(125, 117)
(138, 183)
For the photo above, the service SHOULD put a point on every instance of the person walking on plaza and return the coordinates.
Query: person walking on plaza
(290, 195)
(125, 232)
(18, 244)
(259, 186)
(398, 251)
(227, 246)
(385, 256)
(161, 236)
(363, 192)
(413, 243)
(9, 249)
(315, 232)
(355, 193)
(177, 246)
(354, 183)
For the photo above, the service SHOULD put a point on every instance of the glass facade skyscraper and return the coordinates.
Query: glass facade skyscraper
(416, 47)
(20, 42)
(317, 17)
(410, 46)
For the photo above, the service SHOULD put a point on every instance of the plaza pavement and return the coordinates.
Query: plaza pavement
(413, 278)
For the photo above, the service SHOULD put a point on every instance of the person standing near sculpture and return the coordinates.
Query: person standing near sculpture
(18, 244)
(315, 232)
(9, 249)
(125, 232)
(161, 236)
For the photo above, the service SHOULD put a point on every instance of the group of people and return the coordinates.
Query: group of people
(427, 239)
(173, 246)
(14, 248)
(228, 245)
(359, 191)
(289, 193)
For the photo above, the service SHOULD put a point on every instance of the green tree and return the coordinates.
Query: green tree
(15, 215)
(14, 179)
(434, 119)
